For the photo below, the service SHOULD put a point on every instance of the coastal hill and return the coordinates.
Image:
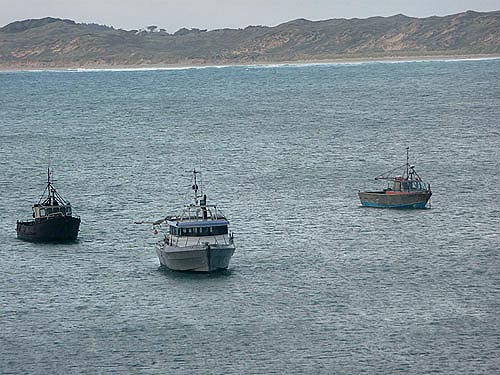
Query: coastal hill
(53, 42)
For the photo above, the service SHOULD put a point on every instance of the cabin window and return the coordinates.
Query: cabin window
(220, 229)
(413, 185)
(42, 211)
(199, 231)
(48, 211)
(418, 185)
(68, 210)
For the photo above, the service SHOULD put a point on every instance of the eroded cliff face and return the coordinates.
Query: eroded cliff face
(55, 42)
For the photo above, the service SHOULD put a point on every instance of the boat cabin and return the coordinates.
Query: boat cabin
(51, 203)
(41, 211)
(198, 219)
(198, 229)
(405, 185)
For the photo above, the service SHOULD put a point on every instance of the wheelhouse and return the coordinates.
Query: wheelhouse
(51, 203)
(401, 184)
(191, 229)
(41, 211)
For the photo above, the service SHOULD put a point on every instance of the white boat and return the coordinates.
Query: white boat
(198, 238)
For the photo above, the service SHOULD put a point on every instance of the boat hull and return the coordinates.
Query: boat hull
(54, 229)
(382, 199)
(198, 258)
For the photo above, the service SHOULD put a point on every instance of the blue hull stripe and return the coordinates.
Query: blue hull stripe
(379, 205)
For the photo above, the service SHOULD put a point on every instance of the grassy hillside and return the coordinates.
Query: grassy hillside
(52, 42)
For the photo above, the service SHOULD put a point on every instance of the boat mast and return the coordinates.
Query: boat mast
(408, 162)
(51, 190)
(52, 197)
(195, 186)
(49, 187)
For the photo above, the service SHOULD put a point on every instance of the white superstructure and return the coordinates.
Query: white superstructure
(197, 239)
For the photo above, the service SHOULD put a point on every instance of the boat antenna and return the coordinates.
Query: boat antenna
(407, 162)
(48, 174)
(196, 187)
(52, 194)
(49, 187)
(201, 180)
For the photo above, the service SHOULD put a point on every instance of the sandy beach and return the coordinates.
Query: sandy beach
(189, 65)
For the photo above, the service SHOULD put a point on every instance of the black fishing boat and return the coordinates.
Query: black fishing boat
(404, 191)
(53, 220)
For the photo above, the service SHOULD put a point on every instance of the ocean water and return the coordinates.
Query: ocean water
(318, 284)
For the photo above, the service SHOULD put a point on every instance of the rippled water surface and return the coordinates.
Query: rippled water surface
(318, 285)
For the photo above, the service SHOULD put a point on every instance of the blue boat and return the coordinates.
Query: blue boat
(406, 190)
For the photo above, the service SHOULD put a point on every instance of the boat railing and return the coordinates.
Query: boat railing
(175, 240)
(169, 239)
(201, 242)
(201, 212)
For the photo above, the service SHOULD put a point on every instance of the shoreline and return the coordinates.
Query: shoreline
(178, 66)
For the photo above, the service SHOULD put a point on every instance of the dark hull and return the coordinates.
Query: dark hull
(54, 229)
(381, 199)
